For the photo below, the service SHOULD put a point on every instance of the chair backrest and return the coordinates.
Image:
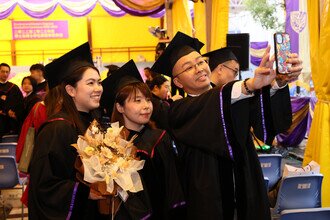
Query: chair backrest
(271, 167)
(8, 149)
(298, 192)
(8, 172)
(266, 180)
(306, 214)
(9, 138)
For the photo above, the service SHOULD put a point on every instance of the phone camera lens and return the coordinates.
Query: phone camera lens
(279, 38)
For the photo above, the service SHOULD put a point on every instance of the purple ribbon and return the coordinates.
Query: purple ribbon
(178, 204)
(263, 117)
(146, 217)
(136, 12)
(72, 200)
(230, 149)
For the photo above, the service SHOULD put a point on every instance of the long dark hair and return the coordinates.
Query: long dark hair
(32, 81)
(157, 81)
(53, 101)
(123, 94)
(59, 100)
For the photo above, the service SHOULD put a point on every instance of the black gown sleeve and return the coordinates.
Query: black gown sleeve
(160, 113)
(159, 174)
(54, 193)
(195, 121)
(15, 101)
(164, 159)
(277, 113)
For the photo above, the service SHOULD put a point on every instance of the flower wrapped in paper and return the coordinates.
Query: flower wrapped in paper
(107, 157)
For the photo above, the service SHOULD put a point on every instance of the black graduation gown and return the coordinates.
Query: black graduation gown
(42, 89)
(159, 175)
(54, 192)
(14, 102)
(28, 102)
(208, 169)
(160, 112)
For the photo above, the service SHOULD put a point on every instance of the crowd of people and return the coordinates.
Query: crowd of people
(200, 160)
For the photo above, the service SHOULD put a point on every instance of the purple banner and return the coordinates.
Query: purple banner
(300, 124)
(136, 12)
(31, 30)
(292, 20)
(257, 49)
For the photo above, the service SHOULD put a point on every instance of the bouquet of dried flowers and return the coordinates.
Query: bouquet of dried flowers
(107, 157)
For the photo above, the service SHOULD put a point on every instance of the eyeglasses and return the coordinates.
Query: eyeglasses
(191, 69)
(234, 71)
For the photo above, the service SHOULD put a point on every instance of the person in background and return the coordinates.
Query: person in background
(29, 86)
(35, 119)
(37, 72)
(160, 87)
(54, 191)
(133, 109)
(150, 75)
(160, 47)
(111, 68)
(161, 100)
(224, 66)
(11, 103)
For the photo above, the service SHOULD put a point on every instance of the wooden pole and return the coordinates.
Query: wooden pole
(208, 20)
(89, 32)
(13, 52)
(169, 18)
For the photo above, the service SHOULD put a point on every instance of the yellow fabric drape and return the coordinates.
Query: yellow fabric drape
(200, 23)
(318, 145)
(181, 17)
(144, 5)
(219, 23)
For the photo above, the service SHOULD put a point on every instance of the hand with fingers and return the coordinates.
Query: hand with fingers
(264, 74)
(294, 71)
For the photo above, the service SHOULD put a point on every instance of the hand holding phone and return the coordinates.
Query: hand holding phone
(282, 52)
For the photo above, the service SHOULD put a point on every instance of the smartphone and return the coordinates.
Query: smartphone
(282, 51)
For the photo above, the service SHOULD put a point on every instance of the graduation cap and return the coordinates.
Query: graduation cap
(57, 70)
(221, 55)
(112, 67)
(125, 75)
(180, 46)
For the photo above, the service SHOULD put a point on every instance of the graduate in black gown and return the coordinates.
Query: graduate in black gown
(37, 72)
(54, 192)
(29, 86)
(133, 109)
(160, 88)
(11, 103)
(224, 66)
(223, 177)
